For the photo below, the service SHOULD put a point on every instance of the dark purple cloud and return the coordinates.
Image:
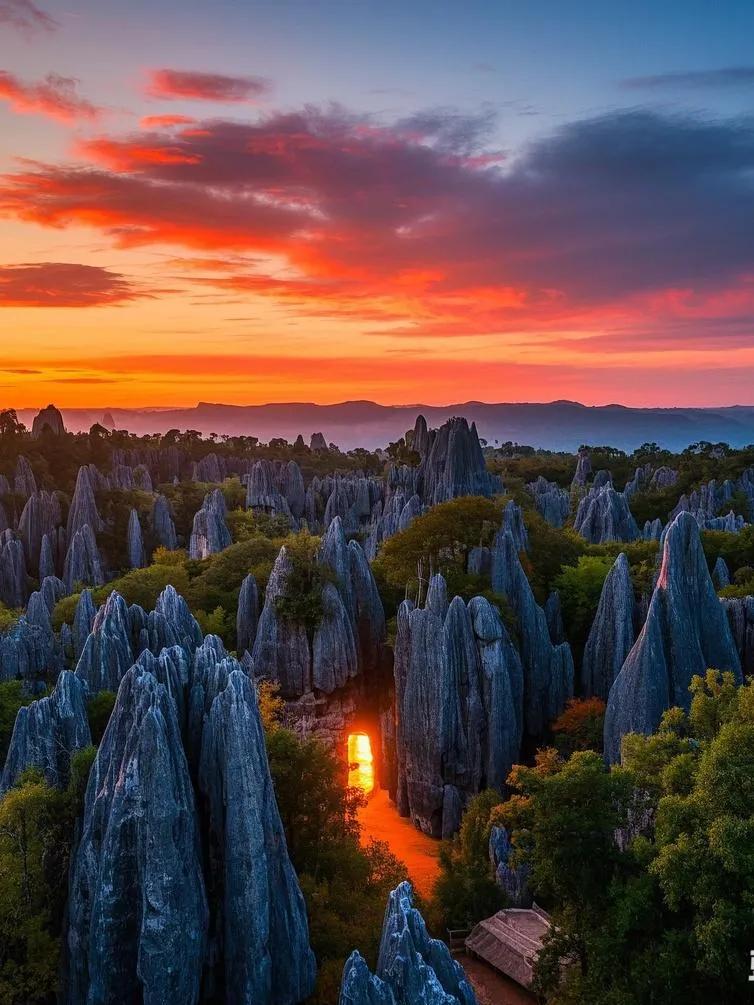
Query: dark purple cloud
(726, 76)
(419, 221)
(25, 16)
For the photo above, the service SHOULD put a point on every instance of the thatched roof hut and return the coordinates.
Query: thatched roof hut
(510, 941)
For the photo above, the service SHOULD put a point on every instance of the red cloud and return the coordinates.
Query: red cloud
(188, 84)
(165, 121)
(411, 226)
(55, 97)
(26, 16)
(62, 284)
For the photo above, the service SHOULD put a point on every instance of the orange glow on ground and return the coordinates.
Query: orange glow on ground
(360, 763)
(380, 820)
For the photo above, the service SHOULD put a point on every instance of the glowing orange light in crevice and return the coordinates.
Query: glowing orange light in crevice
(360, 763)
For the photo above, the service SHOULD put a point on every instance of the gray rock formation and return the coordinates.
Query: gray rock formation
(260, 934)
(107, 652)
(721, 574)
(13, 585)
(82, 561)
(83, 620)
(740, 612)
(334, 658)
(292, 487)
(163, 527)
(454, 465)
(583, 470)
(83, 511)
(612, 633)
(502, 692)
(370, 630)
(25, 653)
(513, 521)
(318, 442)
(210, 533)
(49, 420)
(548, 669)
(247, 614)
(47, 564)
(686, 631)
(512, 880)
(263, 494)
(416, 969)
(24, 482)
(281, 648)
(652, 530)
(47, 732)
(137, 911)
(554, 615)
(39, 519)
(603, 515)
(420, 437)
(552, 502)
(458, 698)
(663, 478)
(137, 558)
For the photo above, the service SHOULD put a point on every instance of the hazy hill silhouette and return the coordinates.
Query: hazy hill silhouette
(556, 425)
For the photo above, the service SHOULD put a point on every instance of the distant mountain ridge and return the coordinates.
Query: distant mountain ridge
(555, 425)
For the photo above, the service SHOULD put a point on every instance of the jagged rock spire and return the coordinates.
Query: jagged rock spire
(612, 633)
(261, 930)
(548, 669)
(137, 906)
(47, 732)
(686, 631)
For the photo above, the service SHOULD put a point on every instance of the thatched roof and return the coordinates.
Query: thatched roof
(510, 941)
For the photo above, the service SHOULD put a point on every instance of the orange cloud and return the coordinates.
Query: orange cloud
(55, 97)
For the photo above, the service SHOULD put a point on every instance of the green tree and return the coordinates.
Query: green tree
(465, 888)
(12, 697)
(438, 541)
(36, 837)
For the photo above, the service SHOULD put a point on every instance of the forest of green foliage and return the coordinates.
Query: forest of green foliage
(665, 915)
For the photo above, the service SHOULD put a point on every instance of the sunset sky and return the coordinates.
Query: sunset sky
(405, 201)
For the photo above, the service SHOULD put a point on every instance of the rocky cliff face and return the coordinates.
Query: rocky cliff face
(260, 935)
(547, 669)
(458, 715)
(686, 631)
(47, 732)
(137, 907)
(740, 612)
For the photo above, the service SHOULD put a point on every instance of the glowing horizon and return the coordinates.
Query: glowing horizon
(202, 223)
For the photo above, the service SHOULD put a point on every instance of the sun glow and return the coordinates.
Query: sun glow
(360, 763)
